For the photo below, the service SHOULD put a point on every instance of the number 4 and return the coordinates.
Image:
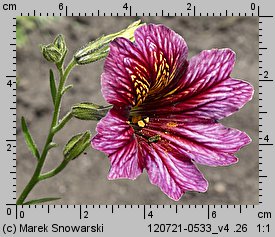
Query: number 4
(125, 6)
(266, 138)
(9, 83)
(150, 214)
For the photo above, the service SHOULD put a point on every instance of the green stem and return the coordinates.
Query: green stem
(35, 177)
(63, 121)
(54, 172)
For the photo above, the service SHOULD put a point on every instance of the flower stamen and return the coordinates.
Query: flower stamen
(146, 120)
(141, 123)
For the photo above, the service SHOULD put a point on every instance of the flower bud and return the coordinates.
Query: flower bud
(99, 48)
(55, 51)
(59, 42)
(76, 145)
(51, 53)
(89, 111)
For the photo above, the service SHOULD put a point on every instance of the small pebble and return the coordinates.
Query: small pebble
(220, 187)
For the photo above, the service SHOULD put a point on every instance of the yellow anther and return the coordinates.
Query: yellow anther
(146, 120)
(141, 124)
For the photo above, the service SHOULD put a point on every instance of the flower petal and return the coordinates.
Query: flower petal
(116, 138)
(204, 141)
(206, 70)
(221, 100)
(206, 90)
(118, 80)
(171, 171)
(151, 63)
(165, 53)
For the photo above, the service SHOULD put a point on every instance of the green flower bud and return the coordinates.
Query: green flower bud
(59, 42)
(89, 111)
(51, 53)
(99, 48)
(56, 51)
(76, 145)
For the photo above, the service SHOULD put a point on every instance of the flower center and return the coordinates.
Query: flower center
(138, 122)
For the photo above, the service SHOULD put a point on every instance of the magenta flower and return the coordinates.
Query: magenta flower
(166, 110)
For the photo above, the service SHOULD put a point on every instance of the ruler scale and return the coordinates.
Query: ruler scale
(207, 220)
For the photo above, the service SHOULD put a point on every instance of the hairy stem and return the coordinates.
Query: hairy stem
(55, 127)
(62, 122)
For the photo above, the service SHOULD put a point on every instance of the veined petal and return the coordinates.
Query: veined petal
(206, 70)
(126, 77)
(133, 71)
(205, 141)
(217, 102)
(221, 100)
(203, 71)
(126, 162)
(165, 53)
(171, 171)
(116, 138)
(206, 90)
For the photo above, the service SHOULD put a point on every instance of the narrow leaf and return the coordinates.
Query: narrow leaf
(41, 200)
(28, 139)
(66, 89)
(53, 86)
(51, 145)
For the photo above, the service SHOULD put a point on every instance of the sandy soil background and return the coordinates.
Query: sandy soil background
(84, 181)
